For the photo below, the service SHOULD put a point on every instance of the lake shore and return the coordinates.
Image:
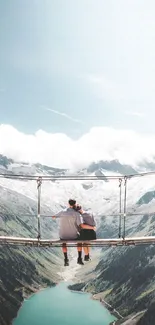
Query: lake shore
(112, 310)
(78, 285)
(57, 305)
(68, 275)
(65, 275)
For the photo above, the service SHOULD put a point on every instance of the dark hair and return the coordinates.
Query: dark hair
(77, 207)
(72, 202)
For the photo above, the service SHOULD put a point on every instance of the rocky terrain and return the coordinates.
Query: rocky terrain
(23, 272)
(125, 279)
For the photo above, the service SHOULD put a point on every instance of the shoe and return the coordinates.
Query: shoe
(66, 262)
(79, 261)
(87, 258)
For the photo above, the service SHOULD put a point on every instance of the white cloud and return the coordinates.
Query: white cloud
(62, 114)
(58, 150)
(137, 114)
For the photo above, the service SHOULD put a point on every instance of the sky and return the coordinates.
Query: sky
(71, 70)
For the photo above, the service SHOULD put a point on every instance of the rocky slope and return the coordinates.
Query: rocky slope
(125, 279)
(125, 276)
(22, 272)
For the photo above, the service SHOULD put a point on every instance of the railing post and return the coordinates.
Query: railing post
(125, 197)
(120, 207)
(39, 182)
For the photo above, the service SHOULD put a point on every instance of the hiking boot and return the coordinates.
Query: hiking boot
(79, 261)
(87, 258)
(66, 262)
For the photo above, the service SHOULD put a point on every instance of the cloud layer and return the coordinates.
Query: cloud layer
(58, 150)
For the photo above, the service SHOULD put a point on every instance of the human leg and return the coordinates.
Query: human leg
(79, 249)
(86, 249)
(87, 234)
(64, 249)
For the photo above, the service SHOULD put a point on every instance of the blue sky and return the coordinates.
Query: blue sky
(78, 75)
(93, 60)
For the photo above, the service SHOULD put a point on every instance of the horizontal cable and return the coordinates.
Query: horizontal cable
(101, 216)
(74, 245)
(73, 177)
(59, 178)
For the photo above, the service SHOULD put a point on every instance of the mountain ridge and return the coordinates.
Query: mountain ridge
(112, 165)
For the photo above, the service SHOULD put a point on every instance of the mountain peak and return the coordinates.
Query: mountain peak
(5, 162)
(113, 166)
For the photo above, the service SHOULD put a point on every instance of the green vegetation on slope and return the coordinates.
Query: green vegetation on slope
(129, 275)
(23, 270)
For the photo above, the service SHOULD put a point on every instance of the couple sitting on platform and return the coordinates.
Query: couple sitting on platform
(75, 224)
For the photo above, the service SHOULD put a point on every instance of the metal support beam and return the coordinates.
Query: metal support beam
(39, 182)
(125, 197)
(120, 207)
(149, 240)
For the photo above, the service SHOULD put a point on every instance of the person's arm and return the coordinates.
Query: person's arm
(57, 215)
(84, 226)
(79, 221)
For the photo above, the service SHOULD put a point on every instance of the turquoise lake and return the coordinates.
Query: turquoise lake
(60, 306)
